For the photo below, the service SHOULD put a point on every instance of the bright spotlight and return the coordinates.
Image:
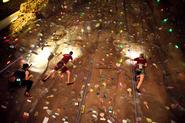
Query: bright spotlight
(5, 1)
(39, 61)
(132, 52)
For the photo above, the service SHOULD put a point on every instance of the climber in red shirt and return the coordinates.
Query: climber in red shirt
(141, 63)
(61, 66)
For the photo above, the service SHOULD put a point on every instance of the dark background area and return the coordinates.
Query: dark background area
(176, 13)
(10, 7)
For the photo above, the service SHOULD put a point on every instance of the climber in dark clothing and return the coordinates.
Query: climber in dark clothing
(21, 77)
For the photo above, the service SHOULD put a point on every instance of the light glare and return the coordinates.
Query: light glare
(39, 62)
(5, 1)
